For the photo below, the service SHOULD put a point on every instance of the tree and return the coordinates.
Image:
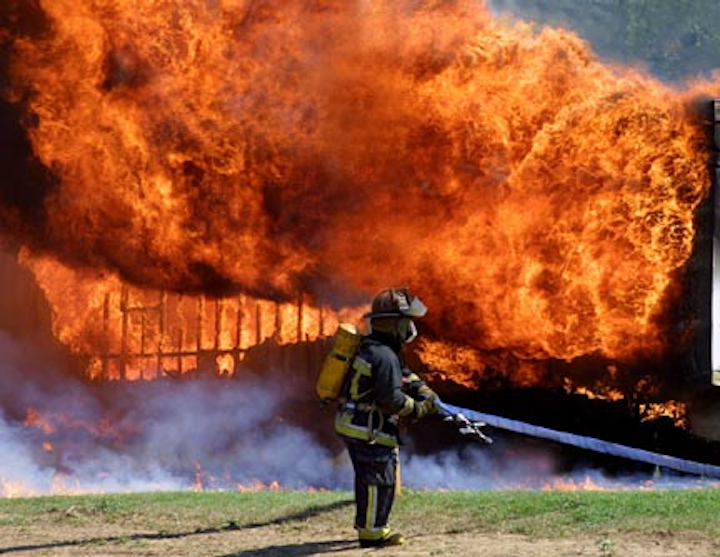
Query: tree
(675, 39)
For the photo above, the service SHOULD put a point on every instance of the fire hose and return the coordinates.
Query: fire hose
(471, 422)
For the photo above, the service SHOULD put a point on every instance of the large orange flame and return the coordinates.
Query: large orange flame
(539, 201)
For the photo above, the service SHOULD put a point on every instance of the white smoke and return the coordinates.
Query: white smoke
(19, 472)
(214, 434)
(529, 468)
(235, 431)
(165, 434)
(479, 468)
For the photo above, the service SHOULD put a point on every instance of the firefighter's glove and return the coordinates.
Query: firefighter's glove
(424, 407)
(427, 392)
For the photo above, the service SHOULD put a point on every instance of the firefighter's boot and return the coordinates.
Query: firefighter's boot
(386, 541)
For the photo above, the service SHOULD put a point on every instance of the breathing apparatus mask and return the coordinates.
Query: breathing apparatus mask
(407, 330)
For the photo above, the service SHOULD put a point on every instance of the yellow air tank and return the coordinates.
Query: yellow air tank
(337, 362)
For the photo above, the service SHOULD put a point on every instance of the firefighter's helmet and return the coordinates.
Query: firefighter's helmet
(396, 302)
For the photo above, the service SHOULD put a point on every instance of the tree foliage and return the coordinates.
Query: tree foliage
(675, 39)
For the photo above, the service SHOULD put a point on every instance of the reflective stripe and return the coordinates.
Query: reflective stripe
(361, 368)
(371, 510)
(344, 426)
(362, 406)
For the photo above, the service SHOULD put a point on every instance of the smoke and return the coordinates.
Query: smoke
(19, 470)
(29, 378)
(518, 465)
(59, 435)
(475, 467)
(237, 433)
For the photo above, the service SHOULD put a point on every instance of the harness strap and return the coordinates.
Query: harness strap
(362, 406)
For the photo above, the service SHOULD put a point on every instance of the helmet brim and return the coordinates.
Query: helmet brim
(416, 309)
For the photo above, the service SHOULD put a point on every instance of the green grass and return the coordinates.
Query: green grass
(562, 513)
(160, 509)
(546, 513)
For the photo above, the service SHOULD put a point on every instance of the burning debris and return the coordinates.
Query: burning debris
(189, 181)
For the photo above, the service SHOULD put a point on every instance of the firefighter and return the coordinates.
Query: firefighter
(378, 390)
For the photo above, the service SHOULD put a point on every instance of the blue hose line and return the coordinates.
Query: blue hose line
(588, 443)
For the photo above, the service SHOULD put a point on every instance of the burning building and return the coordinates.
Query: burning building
(198, 188)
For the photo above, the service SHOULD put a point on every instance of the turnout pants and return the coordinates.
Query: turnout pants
(375, 467)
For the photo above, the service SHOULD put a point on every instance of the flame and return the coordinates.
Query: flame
(672, 409)
(600, 392)
(257, 485)
(12, 488)
(138, 333)
(59, 485)
(199, 482)
(35, 419)
(588, 483)
(266, 150)
(570, 484)
(50, 423)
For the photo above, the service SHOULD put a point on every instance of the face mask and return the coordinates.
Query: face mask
(410, 332)
(403, 329)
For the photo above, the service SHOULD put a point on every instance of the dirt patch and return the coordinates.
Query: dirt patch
(314, 537)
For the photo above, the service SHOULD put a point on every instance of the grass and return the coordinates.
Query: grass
(563, 513)
(547, 513)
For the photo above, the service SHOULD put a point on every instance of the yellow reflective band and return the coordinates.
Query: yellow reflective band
(344, 426)
(371, 510)
(362, 369)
